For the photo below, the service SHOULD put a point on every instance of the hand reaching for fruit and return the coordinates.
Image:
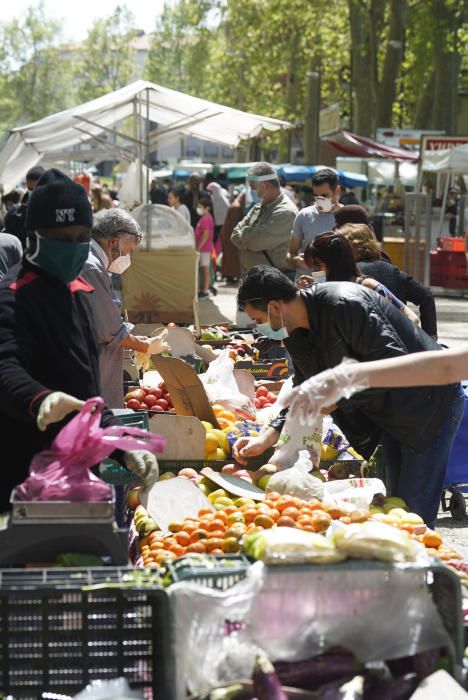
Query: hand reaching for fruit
(144, 464)
(247, 447)
(55, 407)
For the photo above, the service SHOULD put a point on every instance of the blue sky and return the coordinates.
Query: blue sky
(79, 16)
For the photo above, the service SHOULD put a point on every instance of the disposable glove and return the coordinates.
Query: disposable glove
(156, 345)
(144, 464)
(55, 407)
(324, 390)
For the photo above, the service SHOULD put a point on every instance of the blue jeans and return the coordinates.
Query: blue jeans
(419, 478)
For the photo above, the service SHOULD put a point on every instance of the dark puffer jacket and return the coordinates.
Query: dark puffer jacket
(348, 320)
(406, 288)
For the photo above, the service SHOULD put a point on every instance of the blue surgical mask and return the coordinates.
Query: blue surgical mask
(60, 259)
(266, 329)
(254, 198)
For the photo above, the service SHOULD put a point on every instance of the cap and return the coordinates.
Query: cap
(58, 202)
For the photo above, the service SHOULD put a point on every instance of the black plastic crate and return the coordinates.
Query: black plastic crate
(220, 572)
(62, 628)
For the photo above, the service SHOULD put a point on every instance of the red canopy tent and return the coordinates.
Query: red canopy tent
(362, 147)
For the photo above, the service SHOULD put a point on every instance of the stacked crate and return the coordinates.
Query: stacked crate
(448, 264)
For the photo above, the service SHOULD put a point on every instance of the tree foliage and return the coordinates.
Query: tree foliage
(106, 60)
(33, 74)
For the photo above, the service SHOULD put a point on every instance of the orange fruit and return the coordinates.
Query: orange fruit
(168, 542)
(275, 514)
(222, 515)
(250, 515)
(345, 519)
(196, 548)
(284, 521)
(217, 408)
(182, 538)
(227, 416)
(253, 528)
(291, 512)
(334, 512)
(217, 551)
(230, 509)
(320, 520)
(307, 527)
(174, 527)
(264, 521)
(230, 545)
(286, 502)
(177, 549)
(218, 533)
(315, 504)
(204, 511)
(214, 543)
(273, 496)
(216, 525)
(432, 539)
(235, 531)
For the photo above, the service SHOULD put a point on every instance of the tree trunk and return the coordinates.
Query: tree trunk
(446, 67)
(363, 68)
(387, 87)
(290, 97)
(423, 116)
(312, 117)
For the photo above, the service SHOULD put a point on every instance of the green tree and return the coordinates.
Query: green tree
(106, 60)
(34, 77)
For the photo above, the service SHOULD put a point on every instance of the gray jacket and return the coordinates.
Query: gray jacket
(265, 228)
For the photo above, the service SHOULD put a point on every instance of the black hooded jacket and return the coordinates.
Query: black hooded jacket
(351, 321)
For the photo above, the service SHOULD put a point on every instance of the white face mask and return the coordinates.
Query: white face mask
(200, 211)
(120, 264)
(320, 276)
(324, 204)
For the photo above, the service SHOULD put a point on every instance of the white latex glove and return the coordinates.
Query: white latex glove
(324, 390)
(55, 407)
(144, 464)
(159, 343)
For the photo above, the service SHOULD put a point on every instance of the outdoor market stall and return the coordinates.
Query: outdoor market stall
(222, 554)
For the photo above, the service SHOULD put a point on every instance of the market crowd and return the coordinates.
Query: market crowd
(311, 275)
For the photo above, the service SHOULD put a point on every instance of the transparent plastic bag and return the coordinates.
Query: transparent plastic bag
(297, 436)
(211, 642)
(357, 492)
(115, 689)
(297, 481)
(62, 472)
(294, 613)
(287, 545)
(375, 540)
(221, 387)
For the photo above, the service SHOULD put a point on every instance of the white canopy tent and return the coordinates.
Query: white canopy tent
(448, 162)
(92, 131)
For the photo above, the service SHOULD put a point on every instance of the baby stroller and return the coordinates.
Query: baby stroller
(456, 478)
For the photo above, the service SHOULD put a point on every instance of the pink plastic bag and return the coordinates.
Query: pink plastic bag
(62, 473)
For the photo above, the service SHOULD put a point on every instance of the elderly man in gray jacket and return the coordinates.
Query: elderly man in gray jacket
(263, 235)
(115, 235)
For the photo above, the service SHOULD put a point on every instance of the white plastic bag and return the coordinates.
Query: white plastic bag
(115, 689)
(221, 387)
(297, 481)
(358, 492)
(296, 436)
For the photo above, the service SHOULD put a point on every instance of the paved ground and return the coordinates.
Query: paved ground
(452, 315)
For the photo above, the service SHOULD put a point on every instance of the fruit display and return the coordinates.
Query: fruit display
(150, 399)
(264, 398)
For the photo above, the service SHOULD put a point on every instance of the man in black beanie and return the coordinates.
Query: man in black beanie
(15, 218)
(48, 348)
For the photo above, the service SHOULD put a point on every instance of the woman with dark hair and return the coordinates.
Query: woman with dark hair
(367, 254)
(332, 252)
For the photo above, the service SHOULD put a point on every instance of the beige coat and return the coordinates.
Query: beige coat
(267, 228)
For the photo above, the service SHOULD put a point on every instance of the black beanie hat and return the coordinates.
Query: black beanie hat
(58, 202)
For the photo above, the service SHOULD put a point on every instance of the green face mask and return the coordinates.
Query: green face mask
(60, 259)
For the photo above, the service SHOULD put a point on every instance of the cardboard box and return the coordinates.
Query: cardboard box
(275, 369)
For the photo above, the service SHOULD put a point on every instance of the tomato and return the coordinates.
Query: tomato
(150, 400)
(133, 404)
(262, 391)
(143, 406)
(157, 408)
(162, 403)
(137, 394)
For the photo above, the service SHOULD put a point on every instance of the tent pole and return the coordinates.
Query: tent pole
(148, 165)
(444, 203)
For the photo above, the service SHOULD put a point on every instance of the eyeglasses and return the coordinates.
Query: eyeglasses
(138, 236)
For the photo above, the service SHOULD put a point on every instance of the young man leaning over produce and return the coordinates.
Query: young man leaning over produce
(328, 322)
(48, 349)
